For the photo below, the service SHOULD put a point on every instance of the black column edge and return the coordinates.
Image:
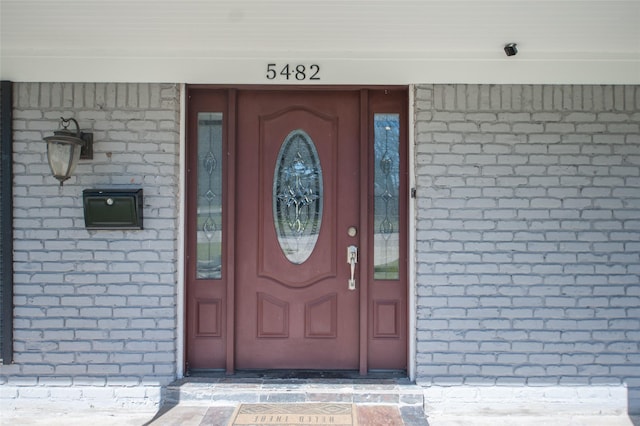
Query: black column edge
(6, 218)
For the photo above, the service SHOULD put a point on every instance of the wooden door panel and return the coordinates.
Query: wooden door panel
(272, 317)
(386, 318)
(206, 308)
(274, 129)
(208, 318)
(296, 315)
(321, 317)
(387, 298)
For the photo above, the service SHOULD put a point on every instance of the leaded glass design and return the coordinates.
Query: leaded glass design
(297, 196)
(209, 210)
(386, 250)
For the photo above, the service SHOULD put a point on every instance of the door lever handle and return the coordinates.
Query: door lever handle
(352, 259)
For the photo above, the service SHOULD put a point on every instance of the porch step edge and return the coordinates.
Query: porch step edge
(234, 393)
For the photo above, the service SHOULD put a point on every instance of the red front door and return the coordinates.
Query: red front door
(284, 187)
(298, 196)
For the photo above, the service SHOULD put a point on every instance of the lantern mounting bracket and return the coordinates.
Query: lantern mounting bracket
(86, 152)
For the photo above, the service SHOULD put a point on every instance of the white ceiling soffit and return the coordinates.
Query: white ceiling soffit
(352, 41)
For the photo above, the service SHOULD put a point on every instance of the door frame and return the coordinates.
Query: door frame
(229, 222)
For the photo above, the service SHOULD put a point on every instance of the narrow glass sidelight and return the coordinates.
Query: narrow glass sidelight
(297, 196)
(209, 211)
(386, 249)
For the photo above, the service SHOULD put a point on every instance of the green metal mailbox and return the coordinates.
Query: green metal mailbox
(113, 208)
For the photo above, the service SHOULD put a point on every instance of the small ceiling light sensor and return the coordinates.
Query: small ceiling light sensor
(511, 49)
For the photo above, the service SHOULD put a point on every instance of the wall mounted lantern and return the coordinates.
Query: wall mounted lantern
(66, 147)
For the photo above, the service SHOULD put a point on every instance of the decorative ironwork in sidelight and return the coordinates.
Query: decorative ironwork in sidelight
(209, 213)
(386, 201)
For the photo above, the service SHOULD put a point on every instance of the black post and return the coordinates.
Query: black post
(6, 222)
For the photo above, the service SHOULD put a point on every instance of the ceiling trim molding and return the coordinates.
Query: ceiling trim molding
(201, 70)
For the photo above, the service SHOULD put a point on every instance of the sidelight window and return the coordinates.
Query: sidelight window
(209, 209)
(386, 250)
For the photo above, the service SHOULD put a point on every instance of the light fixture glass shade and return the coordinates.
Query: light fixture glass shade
(63, 151)
(65, 148)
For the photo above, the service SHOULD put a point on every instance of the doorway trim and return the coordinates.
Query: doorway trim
(181, 312)
(411, 239)
(181, 334)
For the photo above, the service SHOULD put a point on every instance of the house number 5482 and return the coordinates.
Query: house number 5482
(300, 72)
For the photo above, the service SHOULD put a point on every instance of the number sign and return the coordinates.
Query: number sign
(293, 72)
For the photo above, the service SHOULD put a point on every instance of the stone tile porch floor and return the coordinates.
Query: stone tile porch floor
(383, 398)
(211, 400)
(184, 415)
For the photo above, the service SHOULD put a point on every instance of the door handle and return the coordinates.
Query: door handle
(352, 259)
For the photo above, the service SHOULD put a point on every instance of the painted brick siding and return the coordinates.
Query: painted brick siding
(94, 309)
(528, 235)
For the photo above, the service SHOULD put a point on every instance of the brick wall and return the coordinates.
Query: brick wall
(528, 236)
(95, 311)
(528, 241)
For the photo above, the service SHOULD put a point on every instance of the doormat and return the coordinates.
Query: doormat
(302, 414)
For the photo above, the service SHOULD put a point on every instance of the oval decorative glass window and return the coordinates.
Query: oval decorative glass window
(297, 196)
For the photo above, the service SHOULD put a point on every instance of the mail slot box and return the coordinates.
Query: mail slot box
(112, 209)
